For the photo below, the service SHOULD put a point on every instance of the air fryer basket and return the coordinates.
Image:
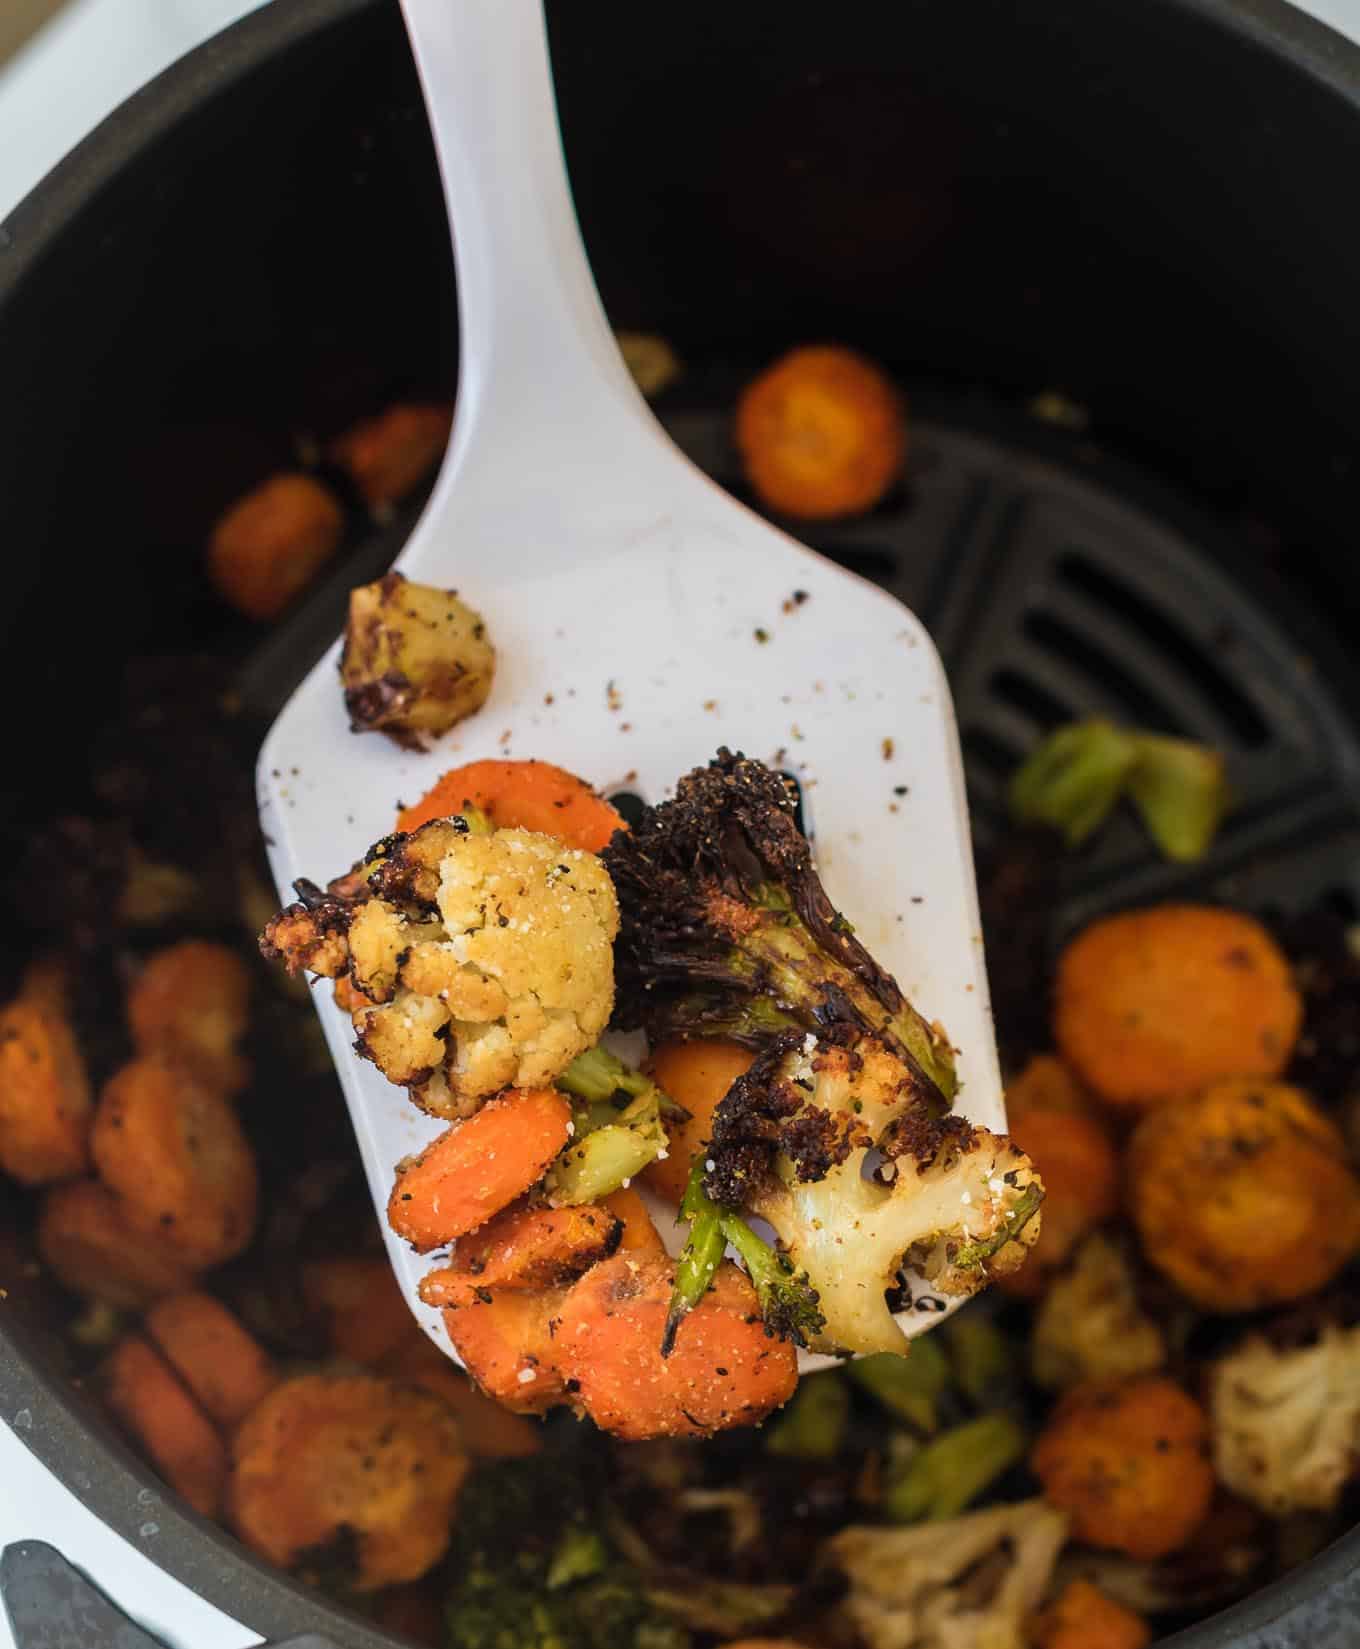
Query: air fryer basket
(255, 245)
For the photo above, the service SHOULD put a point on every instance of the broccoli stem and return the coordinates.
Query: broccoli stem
(971, 1254)
(909, 1387)
(812, 1426)
(1181, 793)
(787, 1304)
(1073, 779)
(948, 1474)
(599, 1077)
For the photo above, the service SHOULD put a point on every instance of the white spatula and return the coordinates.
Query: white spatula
(641, 616)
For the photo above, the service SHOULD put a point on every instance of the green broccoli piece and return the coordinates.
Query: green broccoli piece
(787, 1303)
(812, 1425)
(909, 1387)
(617, 1127)
(1181, 793)
(947, 1474)
(535, 1569)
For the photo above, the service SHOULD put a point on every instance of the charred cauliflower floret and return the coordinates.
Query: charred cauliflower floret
(481, 960)
(416, 660)
(1286, 1422)
(792, 1143)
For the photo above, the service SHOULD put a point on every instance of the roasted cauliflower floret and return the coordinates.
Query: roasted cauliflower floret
(1090, 1325)
(475, 960)
(790, 1143)
(1286, 1422)
(416, 660)
(969, 1583)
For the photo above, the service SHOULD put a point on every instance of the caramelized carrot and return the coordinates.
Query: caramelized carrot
(389, 455)
(214, 1354)
(725, 1370)
(639, 1237)
(45, 1102)
(174, 1152)
(90, 1246)
(1083, 1617)
(507, 1345)
(1080, 1172)
(478, 1167)
(490, 1431)
(523, 1248)
(523, 795)
(366, 1313)
(270, 544)
(696, 1075)
(190, 1003)
(182, 1442)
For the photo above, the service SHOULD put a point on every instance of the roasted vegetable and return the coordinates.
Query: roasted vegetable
(696, 1075)
(812, 1425)
(970, 1583)
(326, 1459)
(727, 931)
(520, 795)
(390, 455)
(946, 1475)
(1073, 779)
(790, 1143)
(617, 1128)
(1090, 1325)
(522, 1248)
(536, 1569)
(142, 1391)
(218, 1359)
(1286, 1420)
(45, 1101)
(91, 1245)
(1153, 1004)
(416, 660)
(485, 959)
(1082, 1617)
(1127, 1461)
(190, 1002)
(271, 544)
(1242, 1195)
(909, 1387)
(1076, 1158)
(821, 433)
(650, 360)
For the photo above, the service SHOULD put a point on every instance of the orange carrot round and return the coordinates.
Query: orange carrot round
(695, 1075)
(45, 1102)
(523, 795)
(490, 1431)
(91, 1247)
(508, 1346)
(1080, 1172)
(214, 1354)
(365, 1312)
(725, 1370)
(478, 1167)
(523, 1248)
(191, 1002)
(639, 1237)
(183, 1444)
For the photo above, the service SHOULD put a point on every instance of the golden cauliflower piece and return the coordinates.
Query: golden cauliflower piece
(482, 961)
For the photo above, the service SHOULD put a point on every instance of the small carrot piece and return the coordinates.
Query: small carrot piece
(1083, 1617)
(724, 1369)
(267, 548)
(478, 1167)
(90, 1246)
(490, 1431)
(389, 455)
(214, 1354)
(144, 1393)
(523, 795)
(190, 1002)
(523, 1248)
(640, 1237)
(508, 1346)
(366, 1313)
(696, 1075)
(45, 1101)
(174, 1152)
(1080, 1171)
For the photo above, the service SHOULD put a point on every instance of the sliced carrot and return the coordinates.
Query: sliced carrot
(523, 1248)
(1080, 1172)
(1083, 1617)
(269, 545)
(142, 1390)
(375, 1460)
(388, 455)
(172, 1149)
(696, 1075)
(221, 1362)
(639, 1237)
(90, 1246)
(508, 1347)
(524, 795)
(725, 1370)
(478, 1167)
(191, 1002)
(490, 1431)
(365, 1311)
(45, 1101)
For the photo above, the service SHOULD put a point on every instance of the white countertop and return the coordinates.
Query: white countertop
(71, 74)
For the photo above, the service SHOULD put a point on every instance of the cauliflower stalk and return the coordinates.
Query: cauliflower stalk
(1286, 1423)
(969, 1583)
(834, 1149)
(483, 959)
